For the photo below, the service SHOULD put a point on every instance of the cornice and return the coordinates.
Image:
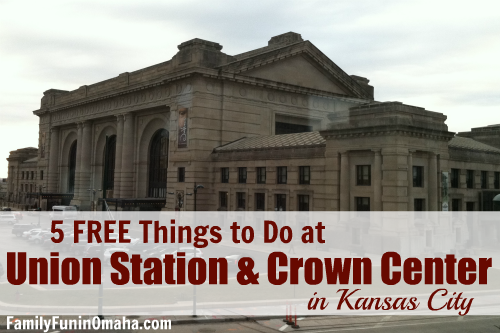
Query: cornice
(398, 130)
(305, 47)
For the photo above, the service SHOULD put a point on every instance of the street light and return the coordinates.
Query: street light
(196, 187)
(93, 192)
(40, 188)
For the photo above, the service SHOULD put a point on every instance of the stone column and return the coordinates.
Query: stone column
(345, 185)
(377, 180)
(433, 182)
(410, 180)
(53, 172)
(118, 157)
(78, 159)
(127, 165)
(85, 157)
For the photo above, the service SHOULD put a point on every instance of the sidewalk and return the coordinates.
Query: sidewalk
(175, 320)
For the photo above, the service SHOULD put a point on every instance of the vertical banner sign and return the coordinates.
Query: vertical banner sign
(182, 128)
(42, 145)
(444, 191)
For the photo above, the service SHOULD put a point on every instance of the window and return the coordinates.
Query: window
(31, 187)
(72, 168)
(242, 175)
(158, 163)
(181, 175)
(224, 175)
(240, 200)
(22, 175)
(419, 205)
(281, 175)
(261, 175)
(418, 176)
(363, 175)
(41, 174)
(454, 178)
(286, 128)
(469, 206)
(456, 205)
(356, 236)
(223, 199)
(484, 179)
(428, 238)
(109, 164)
(304, 175)
(362, 204)
(469, 178)
(303, 202)
(32, 174)
(260, 201)
(280, 202)
(497, 180)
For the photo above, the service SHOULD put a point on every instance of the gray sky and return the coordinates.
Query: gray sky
(441, 55)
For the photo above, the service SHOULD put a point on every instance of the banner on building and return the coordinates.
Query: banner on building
(444, 191)
(182, 128)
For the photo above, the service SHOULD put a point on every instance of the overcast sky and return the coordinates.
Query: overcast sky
(441, 55)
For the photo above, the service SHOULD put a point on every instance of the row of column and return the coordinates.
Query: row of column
(124, 158)
(376, 177)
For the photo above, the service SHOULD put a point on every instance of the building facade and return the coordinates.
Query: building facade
(281, 127)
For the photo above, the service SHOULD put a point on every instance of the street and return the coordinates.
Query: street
(338, 324)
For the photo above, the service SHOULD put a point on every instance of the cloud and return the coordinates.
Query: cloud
(441, 55)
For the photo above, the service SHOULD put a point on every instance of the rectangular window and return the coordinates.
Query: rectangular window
(223, 199)
(458, 235)
(31, 188)
(363, 175)
(304, 175)
(456, 205)
(497, 180)
(224, 175)
(454, 178)
(362, 204)
(484, 179)
(419, 205)
(469, 206)
(469, 178)
(418, 176)
(260, 201)
(303, 202)
(281, 175)
(280, 202)
(240, 200)
(428, 238)
(261, 175)
(22, 175)
(41, 174)
(181, 174)
(242, 175)
(32, 174)
(356, 236)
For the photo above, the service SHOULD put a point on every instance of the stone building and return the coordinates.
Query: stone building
(281, 127)
(3, 191)
(24, 177)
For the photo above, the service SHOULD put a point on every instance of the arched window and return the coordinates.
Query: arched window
(158, 162)
(72, 168)
(109, 164)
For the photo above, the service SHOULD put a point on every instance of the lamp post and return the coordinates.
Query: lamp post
(40, 188)
(196, 188)
(92, 202)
